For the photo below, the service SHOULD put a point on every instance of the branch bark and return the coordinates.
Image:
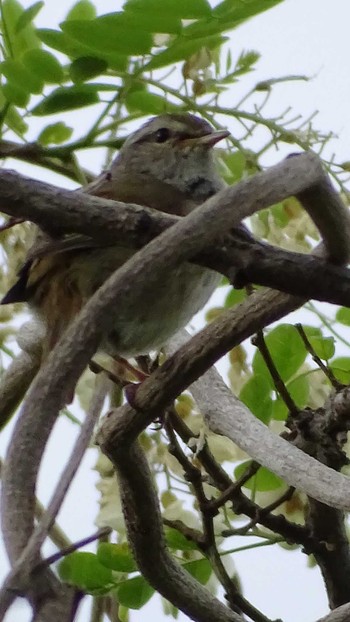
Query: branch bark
(341, 614)
(201, 228)
(146, 537)
(60, 211)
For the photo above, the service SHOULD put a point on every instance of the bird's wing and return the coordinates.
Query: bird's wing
(40, 260)
(113, 185)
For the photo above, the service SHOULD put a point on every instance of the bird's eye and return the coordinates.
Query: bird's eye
(162, 135)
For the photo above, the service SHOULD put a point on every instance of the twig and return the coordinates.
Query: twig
(199, 229)
(326, 370)
(104, 531)
(146, 537)
(207, 542)
(10, 223)
(261, 512)
(234, 487)
(22, 568)
(259, 341)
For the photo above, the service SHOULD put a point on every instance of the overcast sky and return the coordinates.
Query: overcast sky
(297, 37)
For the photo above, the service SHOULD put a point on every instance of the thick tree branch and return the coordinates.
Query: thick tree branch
(201, 228)
(145, 532)
(28, 574)
(112, 222)
(15, 381)
(36, 154)
(226, 415)
(322, 434)
(341, 614)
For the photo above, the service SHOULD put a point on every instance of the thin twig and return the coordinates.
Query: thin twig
(10, 223)
(326, 370)
(259, 341)
(52, 559)
(260, 514)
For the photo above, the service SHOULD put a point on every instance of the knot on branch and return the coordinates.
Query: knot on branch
(322, 433)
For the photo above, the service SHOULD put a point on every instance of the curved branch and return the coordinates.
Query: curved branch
(225, 414)
(146, 537)
(35, 154)
(65, 364)
(341, 614)
(199, 229)
(28, 574)
(111, 222)
(15, 382)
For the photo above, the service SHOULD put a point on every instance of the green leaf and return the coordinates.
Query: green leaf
(227, 17)
(246, 62)
(234, 297)
(15, 95)
(264, 480)
(177, 541)
(200, 569)
(66, 98)
(242, 10)
(324, 347)
(85, 572)
(87, 67)
(116, 557)
(147, 103)
(286, 349)
(56, 134)
(45, 65)
(184, 9)
(279, 410)
(182, 49)
(61, 42)
(159, 22)
(343, 316)
(109, 33)
(341, 369)
(280, 215)
(28, 15)
(299, 389)
(20, 76)
(82, 10)
(236, 163)
(16, 43)
(134, 593)
(15, 121)
(256, 395)
(312, 331)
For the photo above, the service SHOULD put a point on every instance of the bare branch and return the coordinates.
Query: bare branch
(226, 415)
(18, 376)
(29, 565)
(59, 211)
(201, 228)
(341, 614)
(146, 537)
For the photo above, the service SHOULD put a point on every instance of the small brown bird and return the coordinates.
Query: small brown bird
(166, 165)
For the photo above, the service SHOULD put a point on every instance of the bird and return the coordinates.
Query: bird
(167, 165)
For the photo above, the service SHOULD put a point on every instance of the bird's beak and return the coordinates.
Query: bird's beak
(207, 140)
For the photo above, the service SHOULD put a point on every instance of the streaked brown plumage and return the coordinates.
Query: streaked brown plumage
(167, 165)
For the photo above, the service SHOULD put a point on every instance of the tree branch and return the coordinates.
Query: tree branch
(29, 574)
(17, 378)
(111, 222)
(146, 537)
(198, 230)
(341, 614)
